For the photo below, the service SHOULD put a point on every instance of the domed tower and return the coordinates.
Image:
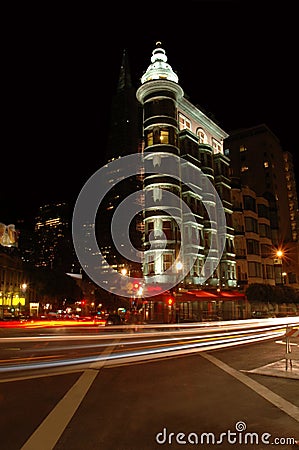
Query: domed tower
(159, 94)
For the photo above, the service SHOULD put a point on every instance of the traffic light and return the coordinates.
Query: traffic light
(170, 301)
(137, 288)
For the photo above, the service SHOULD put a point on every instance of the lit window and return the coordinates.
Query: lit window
(202, 138)
(217, 146)
(244, 168)
(184, 122)
(243, 148)
(167, 262)
(266, 164)
(150, 138)
(164, 137)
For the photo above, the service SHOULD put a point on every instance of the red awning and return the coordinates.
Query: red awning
(211, 295)
(230, 294)
(202, 294)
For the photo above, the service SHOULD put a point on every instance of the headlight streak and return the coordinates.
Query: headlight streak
(167, 351)
(178, 330)
(183, 327)
(147, 341)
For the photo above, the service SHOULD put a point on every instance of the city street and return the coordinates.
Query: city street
(209, 397)
(149, 228)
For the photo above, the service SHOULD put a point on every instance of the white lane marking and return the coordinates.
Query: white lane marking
(49, 431)
(51, 373)
(263, 391)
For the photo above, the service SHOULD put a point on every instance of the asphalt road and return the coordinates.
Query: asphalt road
(208, 397)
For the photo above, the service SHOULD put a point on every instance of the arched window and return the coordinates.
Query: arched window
(202, 137)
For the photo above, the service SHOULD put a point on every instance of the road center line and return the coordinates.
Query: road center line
(263, 391)
(50, 430)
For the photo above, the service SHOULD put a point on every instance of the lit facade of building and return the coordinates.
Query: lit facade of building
(13, 288)
(174, 126)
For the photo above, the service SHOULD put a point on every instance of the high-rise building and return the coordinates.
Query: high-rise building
(291, 260)
(53, 240)
(124, 138)
(125, 129)
(258, 162)
(292, 194)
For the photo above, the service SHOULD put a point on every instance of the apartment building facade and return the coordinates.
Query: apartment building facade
(177, 133)
(258, 161)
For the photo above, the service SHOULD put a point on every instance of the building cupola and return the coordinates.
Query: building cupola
(159, 68)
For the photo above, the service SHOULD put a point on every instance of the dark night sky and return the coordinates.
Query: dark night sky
(235, 59)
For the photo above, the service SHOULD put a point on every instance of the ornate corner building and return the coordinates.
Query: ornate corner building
(174, 126)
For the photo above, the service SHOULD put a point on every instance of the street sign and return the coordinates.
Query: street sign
(293, 332)
(289, 355)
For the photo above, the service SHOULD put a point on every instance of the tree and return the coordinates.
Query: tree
(258, 292)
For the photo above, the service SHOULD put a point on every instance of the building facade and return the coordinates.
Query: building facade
(177, 133)
(253, 244)
(14, 292)
(53, 247)
(258, 161)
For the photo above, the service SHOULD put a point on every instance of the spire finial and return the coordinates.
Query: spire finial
(159, 68)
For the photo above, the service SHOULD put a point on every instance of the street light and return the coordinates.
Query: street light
(24, 287)
(279, 257)
(179, 267)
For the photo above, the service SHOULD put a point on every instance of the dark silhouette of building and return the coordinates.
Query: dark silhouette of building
(124, 138)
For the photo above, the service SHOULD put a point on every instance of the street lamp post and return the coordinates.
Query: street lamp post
(279, 257)
(24, 287)
(179, 267)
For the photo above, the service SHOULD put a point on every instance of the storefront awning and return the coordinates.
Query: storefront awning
(206, 295)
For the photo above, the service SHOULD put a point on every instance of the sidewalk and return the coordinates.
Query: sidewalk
(278, 369)
(285, 368)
